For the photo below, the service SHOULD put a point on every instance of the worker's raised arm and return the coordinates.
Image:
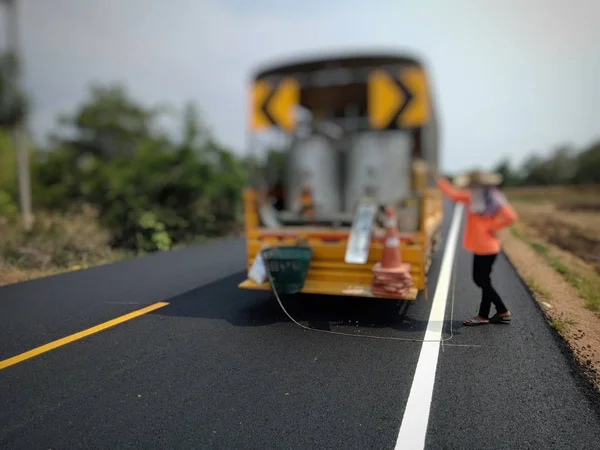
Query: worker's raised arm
(457, 195)
(505, 217)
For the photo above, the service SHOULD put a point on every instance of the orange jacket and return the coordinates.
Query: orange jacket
(480, 232)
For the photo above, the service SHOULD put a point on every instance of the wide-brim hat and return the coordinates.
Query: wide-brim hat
(478, 177)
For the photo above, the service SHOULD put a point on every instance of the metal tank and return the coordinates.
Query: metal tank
(380, 161)
(430, 143)
(313, 161)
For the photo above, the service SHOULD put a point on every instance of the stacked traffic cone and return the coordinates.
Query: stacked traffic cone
(391, 277)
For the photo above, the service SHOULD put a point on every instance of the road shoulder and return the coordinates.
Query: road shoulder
(560, 301)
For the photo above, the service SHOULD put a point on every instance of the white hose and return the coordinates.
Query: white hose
(386, 338)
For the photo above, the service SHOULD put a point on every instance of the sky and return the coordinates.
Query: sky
(510, 77)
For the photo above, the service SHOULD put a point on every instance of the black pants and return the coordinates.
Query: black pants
(482, 269)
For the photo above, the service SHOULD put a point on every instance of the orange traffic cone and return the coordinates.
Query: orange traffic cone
(391, 258)
(391, 277)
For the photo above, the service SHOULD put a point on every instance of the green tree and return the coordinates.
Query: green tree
(561, 166)
(588, 166)
(535, 171)
(274, 165)
(8, 164)
(564, 166)
(14, 103)
(509, 176)
(14, 106)
(109, 124)
(152, 191)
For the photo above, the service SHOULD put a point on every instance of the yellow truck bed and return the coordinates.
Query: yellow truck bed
(329, 274)
(342, 288)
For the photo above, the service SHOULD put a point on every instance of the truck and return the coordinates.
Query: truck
(355, 135)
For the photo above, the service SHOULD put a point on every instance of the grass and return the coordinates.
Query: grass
(537, 289)
(516, 232)
(57, 243)
(560, 325)
(589, 290)
(539, 198)
(555, 193)
(539, 248)
(586, 284)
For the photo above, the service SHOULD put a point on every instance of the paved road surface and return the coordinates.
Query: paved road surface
(223, 368)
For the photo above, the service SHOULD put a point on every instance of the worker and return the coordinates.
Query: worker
(488, 211)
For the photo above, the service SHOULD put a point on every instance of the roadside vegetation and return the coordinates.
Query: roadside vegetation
(555, 247)
(550, 220)
(57, 243)
(111, 182)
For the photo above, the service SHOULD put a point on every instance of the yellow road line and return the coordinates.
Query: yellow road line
(74, 337)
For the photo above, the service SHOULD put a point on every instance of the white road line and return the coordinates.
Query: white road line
(416, 415)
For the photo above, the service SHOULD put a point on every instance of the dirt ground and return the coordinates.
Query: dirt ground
(568, 217)
(555, 247)
(570, 229)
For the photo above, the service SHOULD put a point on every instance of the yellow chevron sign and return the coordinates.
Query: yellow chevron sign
(274, 105)
(401, 101)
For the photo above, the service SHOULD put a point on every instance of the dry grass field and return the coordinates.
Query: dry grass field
(57, 243)
(567, 217)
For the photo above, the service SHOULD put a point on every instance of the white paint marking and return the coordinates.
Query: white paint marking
(416, 415)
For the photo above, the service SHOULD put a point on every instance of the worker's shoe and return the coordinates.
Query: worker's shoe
(476, 321)
(501, 318)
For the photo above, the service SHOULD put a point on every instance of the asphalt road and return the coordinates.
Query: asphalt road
(224, 368)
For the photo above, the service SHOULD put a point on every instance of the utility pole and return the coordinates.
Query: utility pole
(18, 131)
